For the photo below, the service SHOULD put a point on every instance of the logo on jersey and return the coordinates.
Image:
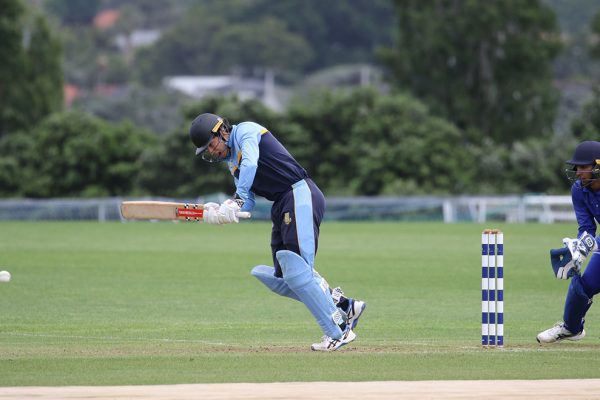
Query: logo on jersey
(287, 219)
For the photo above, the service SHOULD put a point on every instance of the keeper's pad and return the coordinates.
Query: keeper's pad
(300, 278)
(576, 305)
(266, 275)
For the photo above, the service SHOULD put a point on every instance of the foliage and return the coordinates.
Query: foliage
(31, 73)
(156, 14)
(73, 12)
(587, 125)
(249, 46)
(12, 56)
(595, 27)
(219, 37)
(481, 65)
(44, 86)
(245, 47)
(82, 47)
(532, 165)
(361, 142)
(337, 32)
(574, 15)
(14, 157)
(158, 110)
(72, 154)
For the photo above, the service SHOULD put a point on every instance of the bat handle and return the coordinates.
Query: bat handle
(244, 214)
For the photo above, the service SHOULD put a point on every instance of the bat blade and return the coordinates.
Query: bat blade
(162, 210)
(166, 210)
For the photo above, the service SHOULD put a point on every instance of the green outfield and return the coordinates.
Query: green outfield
(157, 303)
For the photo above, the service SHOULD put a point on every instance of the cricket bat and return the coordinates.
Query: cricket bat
(166, 210)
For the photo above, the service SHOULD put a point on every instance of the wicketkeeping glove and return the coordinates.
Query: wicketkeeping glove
(228, 212)
(563, 264)
(582, 247)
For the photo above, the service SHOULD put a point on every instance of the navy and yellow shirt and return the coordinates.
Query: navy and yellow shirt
(260, 164)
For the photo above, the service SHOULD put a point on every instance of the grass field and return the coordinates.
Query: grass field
(163, 303)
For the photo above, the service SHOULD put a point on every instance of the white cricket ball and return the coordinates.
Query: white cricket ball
(4, 276)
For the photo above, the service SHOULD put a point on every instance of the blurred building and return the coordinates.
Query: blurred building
(245, 88)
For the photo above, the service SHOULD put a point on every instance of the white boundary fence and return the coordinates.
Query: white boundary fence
(480, 209)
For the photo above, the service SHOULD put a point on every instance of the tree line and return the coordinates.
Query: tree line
(469, 109)
(354, 142)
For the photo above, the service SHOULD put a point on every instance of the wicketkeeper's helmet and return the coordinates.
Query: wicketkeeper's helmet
(205, 127)
(586, 153)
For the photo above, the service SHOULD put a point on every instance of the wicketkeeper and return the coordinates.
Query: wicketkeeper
(261, 166)
(567, 261)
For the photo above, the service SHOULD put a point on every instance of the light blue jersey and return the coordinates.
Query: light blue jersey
(260, 164)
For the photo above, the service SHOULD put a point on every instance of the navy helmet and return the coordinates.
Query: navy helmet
(205, 127)
(586, 153)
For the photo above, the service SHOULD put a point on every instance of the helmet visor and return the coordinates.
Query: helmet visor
(202, 149)
(216, 154)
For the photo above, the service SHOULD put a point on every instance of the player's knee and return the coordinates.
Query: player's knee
(296, 271)
(579, 287)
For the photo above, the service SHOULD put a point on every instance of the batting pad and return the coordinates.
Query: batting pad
(300, 278)
(266, 275)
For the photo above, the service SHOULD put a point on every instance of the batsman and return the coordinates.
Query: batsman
(261, 166)
(567, 262)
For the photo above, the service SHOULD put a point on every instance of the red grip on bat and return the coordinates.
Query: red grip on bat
(190, 213)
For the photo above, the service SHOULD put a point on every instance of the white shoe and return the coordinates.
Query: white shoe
(557, 333)
(330, 344)
(355, 309)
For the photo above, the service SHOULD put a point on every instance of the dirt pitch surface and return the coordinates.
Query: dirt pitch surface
(490, 390)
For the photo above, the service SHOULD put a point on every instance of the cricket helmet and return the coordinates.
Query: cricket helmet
(586, 153)
(205, 127)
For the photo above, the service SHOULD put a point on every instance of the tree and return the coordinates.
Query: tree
(338, 32)
(362, 142)
(293, 36)
(72, 154)
(216, 47)
(30, 72)
(484, 65)
(44, 72)
(158, 110)
(595, 28)
(11, 67)
(73, 12)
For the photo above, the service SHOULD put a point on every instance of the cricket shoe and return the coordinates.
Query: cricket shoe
(557, 333)
(354, 309)
(330, 344)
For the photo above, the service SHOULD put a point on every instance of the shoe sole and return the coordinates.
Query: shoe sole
(573, 338)
(350, 338)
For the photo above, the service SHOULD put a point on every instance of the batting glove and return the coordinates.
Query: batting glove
(211, 214)
(228, 212)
